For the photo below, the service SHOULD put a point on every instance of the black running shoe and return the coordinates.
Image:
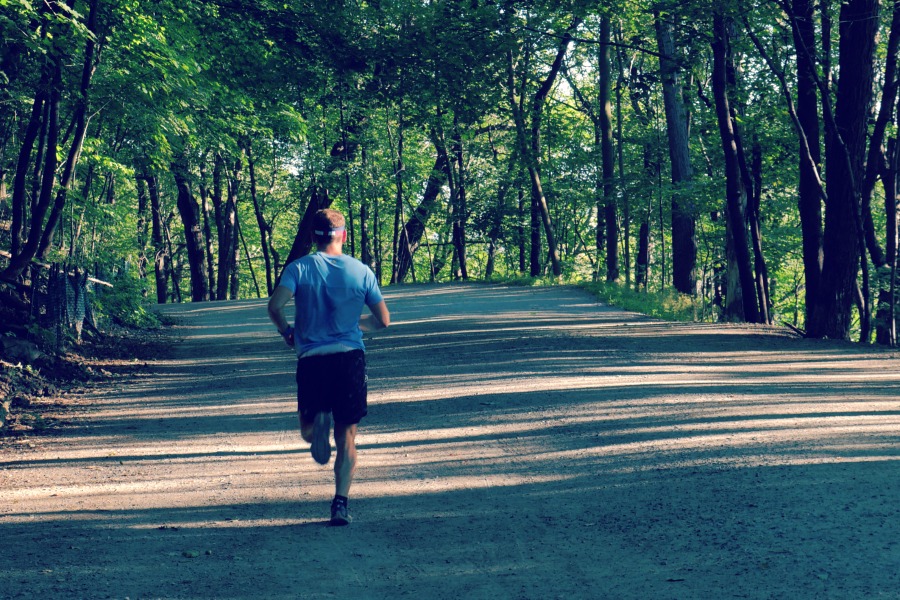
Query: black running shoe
(339, 513)
(321, 444)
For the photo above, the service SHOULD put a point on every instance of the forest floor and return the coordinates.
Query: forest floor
(521, 443)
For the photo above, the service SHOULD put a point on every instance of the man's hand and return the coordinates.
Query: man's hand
(279, 298)
(288, 336)
(379, 319)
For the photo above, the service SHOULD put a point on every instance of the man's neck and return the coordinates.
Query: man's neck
(332, 250)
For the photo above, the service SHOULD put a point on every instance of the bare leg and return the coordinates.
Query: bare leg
(345, 461)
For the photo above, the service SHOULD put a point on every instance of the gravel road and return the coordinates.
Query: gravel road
(521, 443)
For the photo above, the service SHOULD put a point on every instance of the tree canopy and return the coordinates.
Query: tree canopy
(743, 153)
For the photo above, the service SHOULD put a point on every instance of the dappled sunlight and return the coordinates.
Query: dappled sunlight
(572, 422)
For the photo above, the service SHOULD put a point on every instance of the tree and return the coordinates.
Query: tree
(528, 132)
(845, 159)
(684, 243)
(743, 290)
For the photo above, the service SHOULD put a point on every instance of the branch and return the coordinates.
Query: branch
(804, 141)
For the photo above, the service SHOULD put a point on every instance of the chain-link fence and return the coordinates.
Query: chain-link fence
(61, 301)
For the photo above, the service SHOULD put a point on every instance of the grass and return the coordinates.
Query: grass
(667, 305)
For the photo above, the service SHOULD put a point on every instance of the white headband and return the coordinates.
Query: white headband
(330, 232)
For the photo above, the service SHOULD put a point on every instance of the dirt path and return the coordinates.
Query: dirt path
(521, 443)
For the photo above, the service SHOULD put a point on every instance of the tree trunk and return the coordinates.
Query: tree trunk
(534, 256)
(303, 240)
(459, 204)
(80, 121)
(520, 225)
(530, 143)
(881, 164)
(684, 242)
(743, 290)
(227, 237)
(264, 229)
(415, 226)
(607, 153)
(398, 201)
(364, 239)
(620, 156)
(193, 236)
(496, 216)
(161, 261)
(642, 265)
(235, 280)
(174, 270)
(754, 222)
(809, 192)
(20, 196)
(20, 261)
(141, 225)
(831, 316)
(207, 232)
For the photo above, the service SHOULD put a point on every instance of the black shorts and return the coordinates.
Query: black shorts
(335, 383)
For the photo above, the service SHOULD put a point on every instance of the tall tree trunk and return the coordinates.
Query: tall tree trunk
(264, 229)
(684, 242)
(735, 189)
(642, 265)
(80, 121)
(345, 158)
(161, 261)
(520, 225)
(459, 208)
(303, 240)
(845, 154)
(218, 196)
(20, 180)
(398, 201)
(364, 238)
(534, 247)
(620, 156)
(207, 232)
(414, 228)
(143, 206)
(881, 164)
(174, 270)
(809, 197)
(530, 142)
(754, 222)
(36, 129)
(193, 236)
(607, 153)
(501, 209)
(20, 261)
(235, 271)
(228, 247)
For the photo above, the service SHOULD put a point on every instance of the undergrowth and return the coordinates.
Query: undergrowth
(668, 305)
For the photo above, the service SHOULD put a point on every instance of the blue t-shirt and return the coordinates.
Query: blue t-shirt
(330, 292)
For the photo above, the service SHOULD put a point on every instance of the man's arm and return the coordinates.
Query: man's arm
(277, 300)
(379, 319)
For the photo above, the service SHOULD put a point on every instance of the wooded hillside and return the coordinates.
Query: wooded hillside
(742, 153)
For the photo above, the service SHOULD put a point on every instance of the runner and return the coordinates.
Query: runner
(330, 290)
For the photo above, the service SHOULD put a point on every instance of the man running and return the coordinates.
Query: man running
(329, 291)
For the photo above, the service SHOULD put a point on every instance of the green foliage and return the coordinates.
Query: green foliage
(290, 82)
(126, 303)
(666, 304)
